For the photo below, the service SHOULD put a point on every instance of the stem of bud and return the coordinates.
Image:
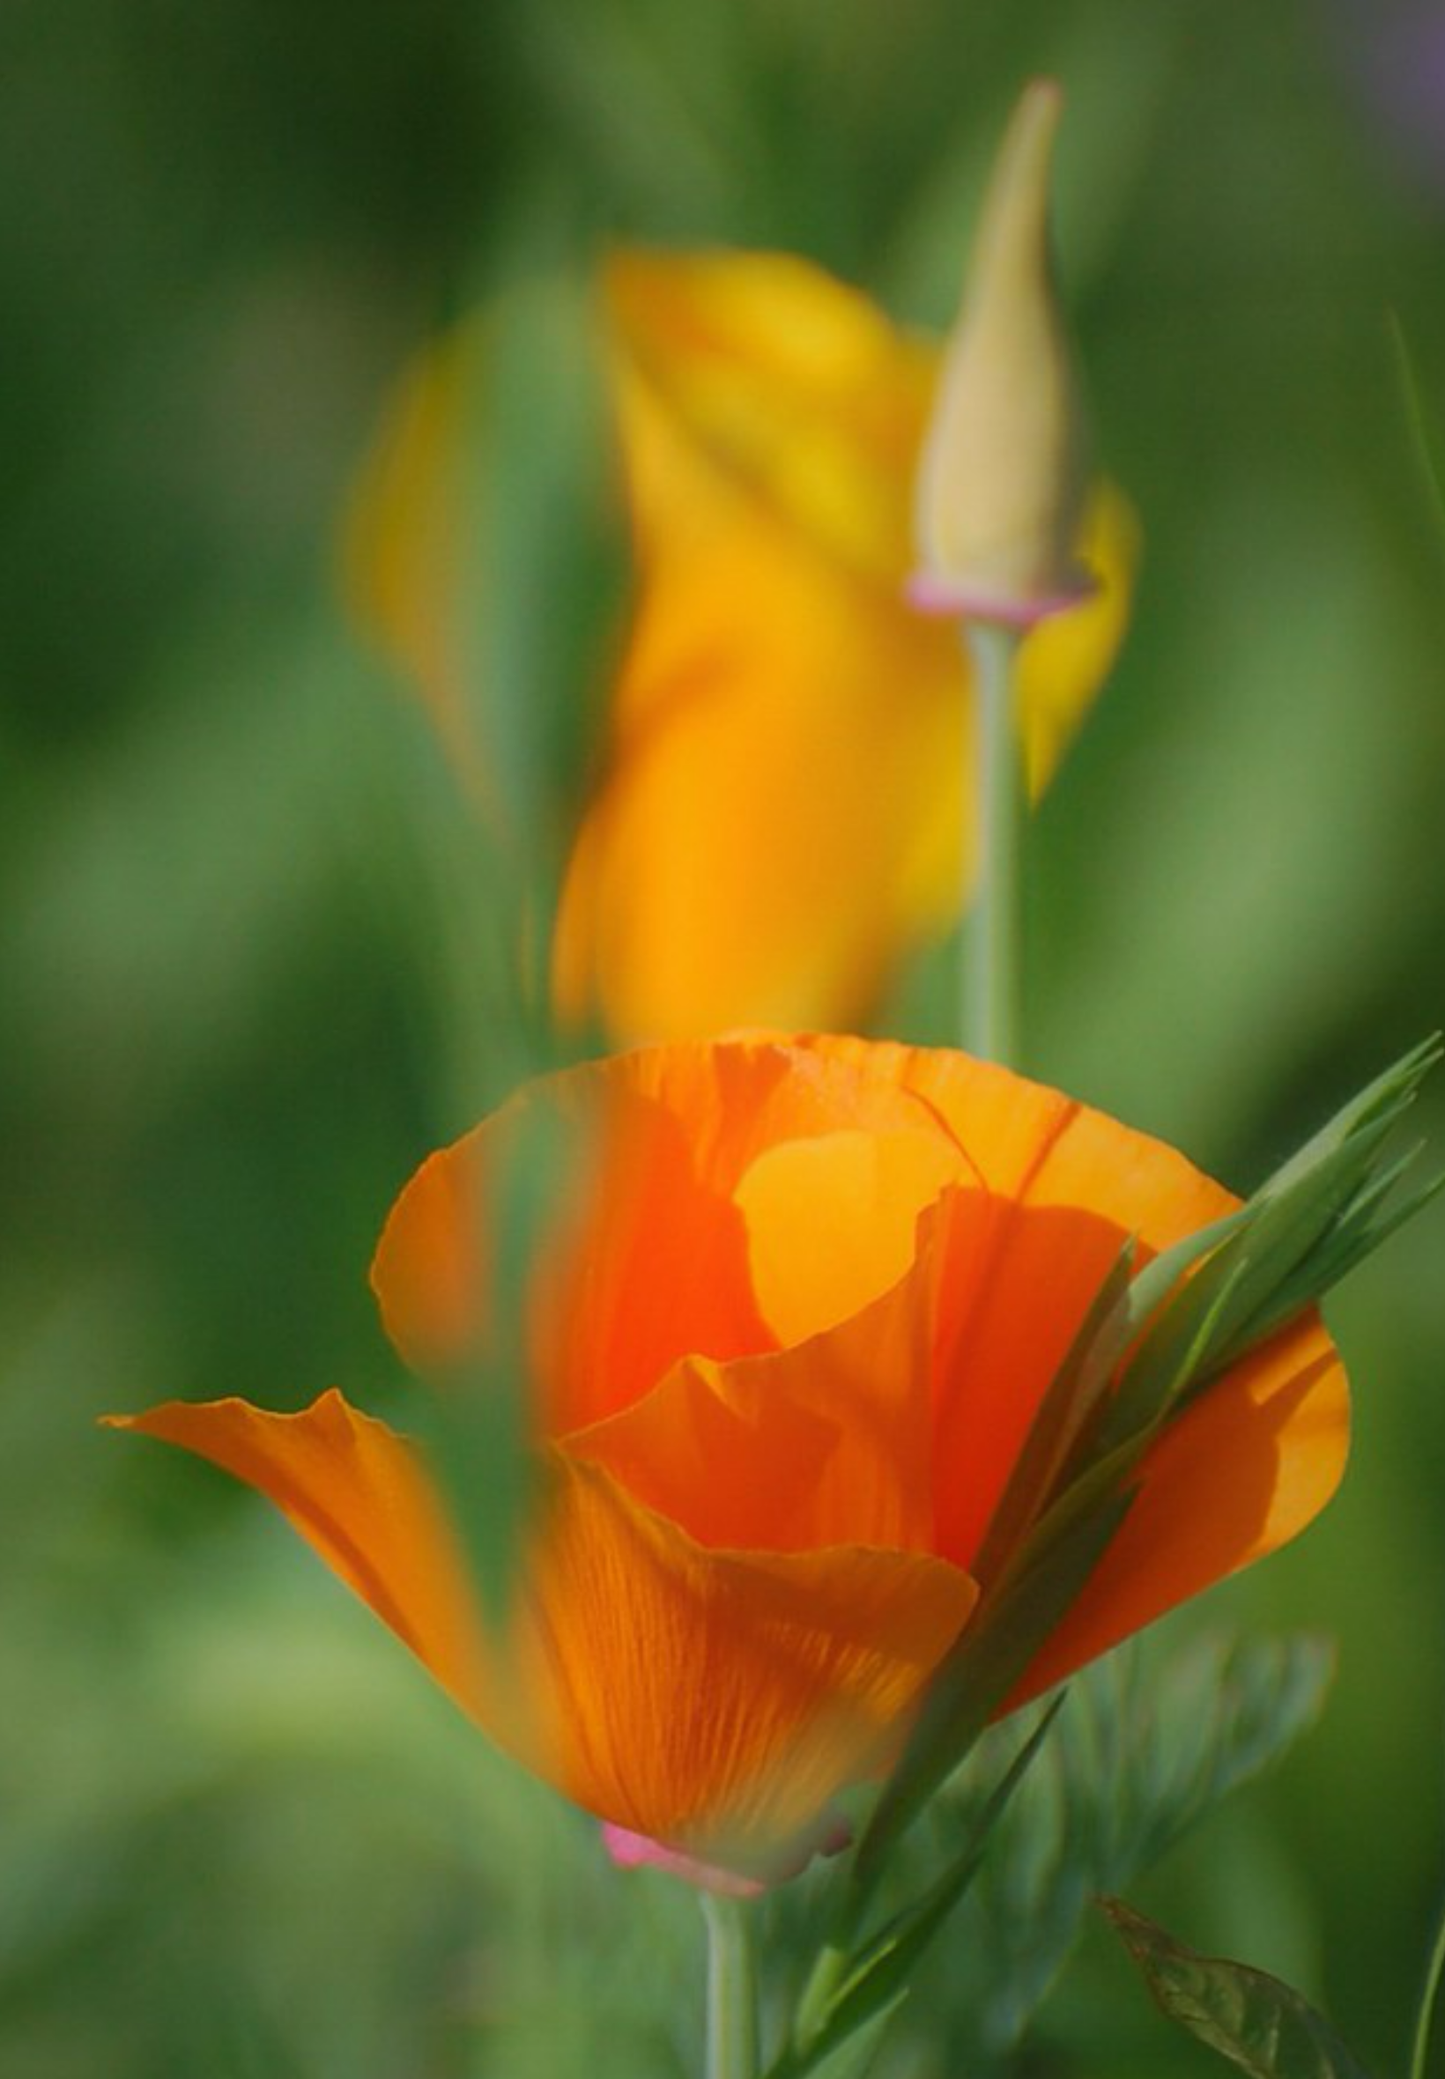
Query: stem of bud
(991, 962)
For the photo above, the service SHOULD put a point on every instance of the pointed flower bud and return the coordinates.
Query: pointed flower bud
(1002, 482)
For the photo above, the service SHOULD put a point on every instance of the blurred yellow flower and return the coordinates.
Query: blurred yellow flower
(781, 810)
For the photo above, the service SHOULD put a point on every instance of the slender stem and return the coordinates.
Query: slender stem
(732, 1999)
(991, 963)
(1433, 1972)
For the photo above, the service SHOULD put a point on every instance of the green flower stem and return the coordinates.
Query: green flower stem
(990, 1010)
(732, 1997)
(1433, 1973)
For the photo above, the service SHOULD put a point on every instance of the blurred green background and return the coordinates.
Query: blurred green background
(239, 1833)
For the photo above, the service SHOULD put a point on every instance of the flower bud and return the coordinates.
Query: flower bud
(1002, 480)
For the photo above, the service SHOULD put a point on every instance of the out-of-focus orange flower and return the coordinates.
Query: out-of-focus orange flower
(786, 1338)
(781, 811)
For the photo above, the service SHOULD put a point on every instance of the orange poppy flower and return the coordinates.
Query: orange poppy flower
(781, 812)
(784, 1342)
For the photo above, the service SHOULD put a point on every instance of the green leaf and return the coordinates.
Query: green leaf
(542, 562)
(1357, 1236)
(1006, 1631)
(1382, 1101)
(537, 571)
(1062, 1415)
(1429, 1993)
(1154, 1738)
(853, 2057)
(1119, 1311)
(850, 1995)
(1258, 2023)
(1193, 1308)
(1154, 1743)
(1313, 1220)
(1198, 1307)
(1422, 425)
(474, 1421)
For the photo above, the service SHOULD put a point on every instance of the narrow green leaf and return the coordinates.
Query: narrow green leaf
(1007, 1630)
(1121, 1308)
(1422, 425)
(1290, 1223)
(1390, 1093)
(1170, 1353)
(1314, 1219)
(539, 571)
(1258, 2023)
(1429, 1993)
(874, 1983)
(851, 2057)
(475, 1422)
(1349, 1245)
(1282, 1229)
(543, 559)
(1154, 1737)
(1063, 1414)
(1153, 1285)
(914, 1926)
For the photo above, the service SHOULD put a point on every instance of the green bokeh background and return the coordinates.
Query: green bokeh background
(241, 980)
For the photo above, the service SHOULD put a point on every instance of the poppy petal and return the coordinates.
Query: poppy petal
(1238, 1475)
(837, 719)
(780, 380)
(702, 1698)
(357, 1493)
(652, 1259)
(1068, 1187)
(826, 1442)
(710, 1699)
(1065, 1188)
(832, 1220)
(646, 1262)
(1067, 656)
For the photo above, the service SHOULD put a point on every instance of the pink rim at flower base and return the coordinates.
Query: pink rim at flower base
(632, 1851)
(937, 596)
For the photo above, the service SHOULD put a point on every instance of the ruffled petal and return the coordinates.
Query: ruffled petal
(711, 1700)
(358, 1494)
(679, 1230)
(643, 1261)
(1065, 1185)
(746, 1094)
(714, 1700)
(827, 1442)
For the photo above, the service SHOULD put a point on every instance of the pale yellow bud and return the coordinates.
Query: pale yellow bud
(1002, 479)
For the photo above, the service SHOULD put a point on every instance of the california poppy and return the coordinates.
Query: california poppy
(784, 1339)
(780, 814)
